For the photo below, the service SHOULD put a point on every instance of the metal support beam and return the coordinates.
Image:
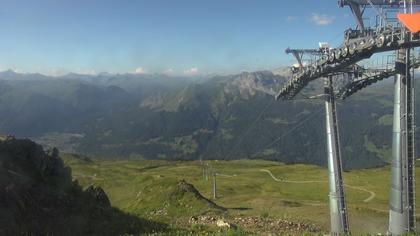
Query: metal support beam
(298, 57)
(402, 197)
(338, 210)
(357, 13)
(298, 54)
(214, 185)
(207, 172)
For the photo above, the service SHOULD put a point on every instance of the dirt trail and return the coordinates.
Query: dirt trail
(292, 181)
(371, 193)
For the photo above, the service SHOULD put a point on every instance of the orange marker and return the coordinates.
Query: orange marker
(411, 21)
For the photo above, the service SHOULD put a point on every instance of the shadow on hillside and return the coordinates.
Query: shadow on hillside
(146, 168)
(110, 222)
(239, 208)
(39, 197)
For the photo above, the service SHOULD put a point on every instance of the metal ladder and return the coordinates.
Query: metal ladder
(410, 147)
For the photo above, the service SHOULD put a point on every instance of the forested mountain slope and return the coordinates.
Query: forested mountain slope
(217, 117)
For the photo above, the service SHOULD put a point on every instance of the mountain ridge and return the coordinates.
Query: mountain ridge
(223, 117)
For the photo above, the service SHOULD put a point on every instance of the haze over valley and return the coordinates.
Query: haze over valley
(131, 116)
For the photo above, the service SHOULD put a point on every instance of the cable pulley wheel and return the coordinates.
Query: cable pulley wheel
(352, 48)
(380, 41)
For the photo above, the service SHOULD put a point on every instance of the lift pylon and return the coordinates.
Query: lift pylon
(359, 44)
(402, 204)
(338, 209)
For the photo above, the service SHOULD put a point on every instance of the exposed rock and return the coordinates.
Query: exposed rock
(263, 81)
(224, 224)
(99, 195)
(275, 225)
(26, 158)
(258, 224)
(38, 197)
(184, 187)
(204, 219)
(283, 71)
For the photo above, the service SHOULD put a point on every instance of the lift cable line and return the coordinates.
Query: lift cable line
(393, 31)
(345, 92)
(250, 127)
(288, 132)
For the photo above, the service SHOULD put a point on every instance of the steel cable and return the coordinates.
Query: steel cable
(289, 131)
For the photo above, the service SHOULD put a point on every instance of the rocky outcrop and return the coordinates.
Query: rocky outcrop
(99, 195)
(186, 188)
(224, 224)
(249, 83)
(39, 197)
(259, 224)
(275, 225)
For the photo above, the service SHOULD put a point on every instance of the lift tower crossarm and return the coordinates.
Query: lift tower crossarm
(363, 82)
(298, 53)
(308, 51)
(357, 5)
(340, 58)
(370, 78)
(382, 3)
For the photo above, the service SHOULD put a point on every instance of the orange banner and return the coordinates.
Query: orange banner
(411, 21)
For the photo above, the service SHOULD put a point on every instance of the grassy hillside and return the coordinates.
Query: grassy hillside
(246, 188)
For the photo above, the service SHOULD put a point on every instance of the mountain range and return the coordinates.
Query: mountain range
(155, 116)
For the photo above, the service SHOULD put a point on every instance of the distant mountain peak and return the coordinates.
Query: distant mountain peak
(283, 71)
(262, 81)
(9, 72)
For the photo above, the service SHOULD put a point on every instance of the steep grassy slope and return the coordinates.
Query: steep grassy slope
(298, 193)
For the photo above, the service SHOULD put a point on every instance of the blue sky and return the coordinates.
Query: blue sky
(155, 36)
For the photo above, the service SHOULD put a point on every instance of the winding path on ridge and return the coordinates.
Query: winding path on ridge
(371, 193)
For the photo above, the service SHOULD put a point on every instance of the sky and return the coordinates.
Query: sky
(187, 37)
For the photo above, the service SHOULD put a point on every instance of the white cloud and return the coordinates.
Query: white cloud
(191, 71)
(168, 71)
(84, 71)
(291, 18)
(62, 71)
(140, 70)
(322, 19)
(19, 71)
(55, 72)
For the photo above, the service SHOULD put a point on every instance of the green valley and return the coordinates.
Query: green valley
(247, 190)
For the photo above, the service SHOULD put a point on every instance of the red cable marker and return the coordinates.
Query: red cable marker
(411, 21)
